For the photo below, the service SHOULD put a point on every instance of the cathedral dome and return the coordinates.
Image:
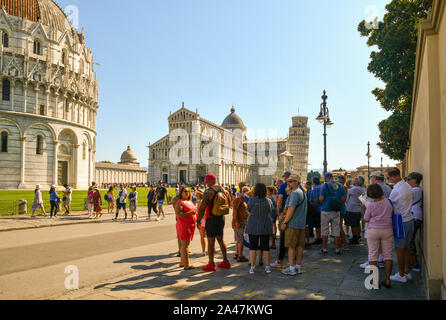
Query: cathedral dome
(46, 12)
(128, 156)
(233, 121)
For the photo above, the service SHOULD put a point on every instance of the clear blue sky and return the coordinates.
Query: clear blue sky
(267, 57)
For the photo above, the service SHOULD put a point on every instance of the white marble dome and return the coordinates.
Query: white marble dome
(49, 98)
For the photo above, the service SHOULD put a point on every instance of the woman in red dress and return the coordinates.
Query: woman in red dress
(97, 203)
(187, 214)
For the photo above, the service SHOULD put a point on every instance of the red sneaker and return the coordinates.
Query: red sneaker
(210, 268)
(225, 265)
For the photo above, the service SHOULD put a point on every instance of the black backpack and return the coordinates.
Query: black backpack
(334, 205)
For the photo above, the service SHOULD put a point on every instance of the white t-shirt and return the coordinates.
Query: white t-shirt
(69, 192)
(402, 196)
(122, 194)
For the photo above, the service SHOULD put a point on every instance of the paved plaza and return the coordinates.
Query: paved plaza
(137, 260)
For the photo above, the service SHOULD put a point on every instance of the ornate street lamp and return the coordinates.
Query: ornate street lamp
(324, 118)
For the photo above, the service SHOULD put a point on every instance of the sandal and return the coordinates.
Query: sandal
(190, 268)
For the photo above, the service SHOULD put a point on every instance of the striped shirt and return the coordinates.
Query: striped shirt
(259, 222)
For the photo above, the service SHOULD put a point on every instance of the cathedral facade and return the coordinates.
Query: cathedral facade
(195, 147)
(49, 98)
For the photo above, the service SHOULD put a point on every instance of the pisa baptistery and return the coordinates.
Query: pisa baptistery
(49, 98)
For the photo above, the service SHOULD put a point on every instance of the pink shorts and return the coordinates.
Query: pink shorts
(377, 238)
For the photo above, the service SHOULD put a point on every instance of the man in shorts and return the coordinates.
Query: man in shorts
(214, 224)
(121, 202)
(331, 192)
(67, 196)
(402, 197)
(161, 194)
(294, 226)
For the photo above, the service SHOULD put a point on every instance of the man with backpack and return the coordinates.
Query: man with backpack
(214, 206)
(333, 198)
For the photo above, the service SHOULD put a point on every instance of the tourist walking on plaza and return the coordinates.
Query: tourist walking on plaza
(354, 209)
(54, 201)
(161, 195)
(38, 202)
(281, 201)
(380, 230)
(186, 213)
(239, 218)
(309, 232)
(414, 180)
(333, 198)
(67, 195)
(259, 227)
(294, 226)
(121, 202)
(315, 209)
(151, 202)
(214, 224)
(401, 197)
(133, 202)
(111, 200)
(97, 203)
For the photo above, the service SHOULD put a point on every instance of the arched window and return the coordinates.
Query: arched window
(4, 142)
(39, 145)
(64, 56)
(36, 49)
(5, 40)
(6, 90)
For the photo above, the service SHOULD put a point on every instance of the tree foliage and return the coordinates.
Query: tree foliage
(313, 174)
(394, 63)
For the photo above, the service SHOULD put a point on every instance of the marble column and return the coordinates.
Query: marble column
(12, 96)
(75, 165)
(22, 163)
(55, 163)
(25, 92)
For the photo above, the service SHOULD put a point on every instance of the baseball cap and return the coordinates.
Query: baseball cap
(210, 177)
(328, 175)
(286, 175)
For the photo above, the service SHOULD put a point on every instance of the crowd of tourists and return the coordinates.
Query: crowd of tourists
(385, 216)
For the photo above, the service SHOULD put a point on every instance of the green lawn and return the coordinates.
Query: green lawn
(9, 199)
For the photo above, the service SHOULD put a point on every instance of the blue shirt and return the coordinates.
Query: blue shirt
(282, 191)
(53, 196)
(150, 195)
(336, 192)
(274, 212)
(315, 194)
(298, 201)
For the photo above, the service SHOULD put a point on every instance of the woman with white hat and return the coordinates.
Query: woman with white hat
(38, 202)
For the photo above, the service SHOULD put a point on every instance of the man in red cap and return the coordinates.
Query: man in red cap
(214, 224)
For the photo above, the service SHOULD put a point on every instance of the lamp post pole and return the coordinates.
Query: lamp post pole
(368, 155)
(324, 118)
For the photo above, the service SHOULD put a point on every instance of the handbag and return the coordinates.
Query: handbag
(334, 205)
(398, 226)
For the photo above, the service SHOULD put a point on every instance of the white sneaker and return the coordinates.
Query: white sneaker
(289, 272)
(267, 269)
(409, 277)
(251, 271)
(365, 265)
(157, 219)
(298, 269)
(398, 278)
